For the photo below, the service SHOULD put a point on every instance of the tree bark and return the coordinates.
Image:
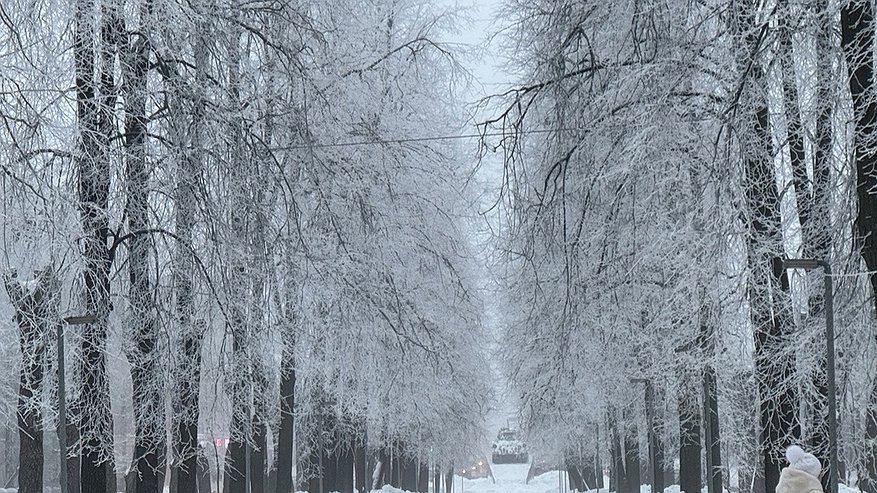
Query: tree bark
(239, 374)
(258, 456)
(769, 310)
(588, 476)
(422, 478)
(285, 445)
(817, 228)
(618, 478)
(344, 458)
(857, 24)
(34, 313)
(711, 431)
(449, 479)
(632, 462)
(382, 469)
(712, 441)
(187, 373)
(258, 422)
(408, 476)
(573, 474)
(360, 467)
(74, 461)
(203, 472)
(146, 382)
(94, 115)
(436, 480)
(394, 470)
(689, 437)
(330, 470)
(598, 461)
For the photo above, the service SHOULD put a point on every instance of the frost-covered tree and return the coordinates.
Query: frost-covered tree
(663, 158)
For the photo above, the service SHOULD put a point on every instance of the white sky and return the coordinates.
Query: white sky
(489, 78)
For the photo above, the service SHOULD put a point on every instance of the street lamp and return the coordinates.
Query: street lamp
(62, 395)
(810, 264)
(654, 459)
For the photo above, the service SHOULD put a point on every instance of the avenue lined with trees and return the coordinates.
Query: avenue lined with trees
(286, 279)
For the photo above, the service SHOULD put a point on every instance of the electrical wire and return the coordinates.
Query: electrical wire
(432, 138)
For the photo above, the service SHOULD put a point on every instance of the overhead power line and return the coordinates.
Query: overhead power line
(431, 138)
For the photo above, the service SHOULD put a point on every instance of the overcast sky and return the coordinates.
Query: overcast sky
(485, 66)
(489, 77)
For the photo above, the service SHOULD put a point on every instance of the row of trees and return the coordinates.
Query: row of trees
(662, 159)
(226, 187)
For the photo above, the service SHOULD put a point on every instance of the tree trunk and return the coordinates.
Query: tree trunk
(235, 466)
(857, 24)
(344, 461)
(768, 283)
(258, 455)
(187, 373)
(617, 478)
(285, 445)
(712, 441)
(34, 312)
(423, 478)
(330, 471)
(689, 437)
(203, 472)
(631, 462)
(258, 381)
(449, 479)
(74, 460)
(315, 482)
(436, 480)
(184, 472)
(360, 467)
(148, 404)
(573, 474)
(598, 461)
(94, 115)
(711, 432)
(30, 433)
(774, 367)
(817, 231)
(239, 373)
(656, 454)
(588, 476)
(394, 471)
(408, 473)
(381, 475)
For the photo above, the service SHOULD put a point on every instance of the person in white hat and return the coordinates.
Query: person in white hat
(802, 475)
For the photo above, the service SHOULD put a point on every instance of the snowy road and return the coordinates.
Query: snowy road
(510, 478)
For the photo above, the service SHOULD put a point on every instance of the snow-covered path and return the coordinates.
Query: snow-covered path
(510, 478)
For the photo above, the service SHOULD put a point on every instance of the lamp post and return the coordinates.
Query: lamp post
(654, 460)
(62, 394)
(810, 264)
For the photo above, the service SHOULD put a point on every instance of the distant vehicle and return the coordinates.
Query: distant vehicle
(509, 448)
(478, 469)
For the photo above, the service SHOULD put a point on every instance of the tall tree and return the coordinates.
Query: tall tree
(35, 312)
(187, 128)
(94, 116)
(857, 25)
(144, 356)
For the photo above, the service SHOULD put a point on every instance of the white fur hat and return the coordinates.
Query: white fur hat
(802, 461)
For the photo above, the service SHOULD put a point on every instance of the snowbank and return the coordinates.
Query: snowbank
(674, 488)
(842, 488)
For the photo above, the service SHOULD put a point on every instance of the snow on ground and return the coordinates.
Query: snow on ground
(512, 478)
(509, 478)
